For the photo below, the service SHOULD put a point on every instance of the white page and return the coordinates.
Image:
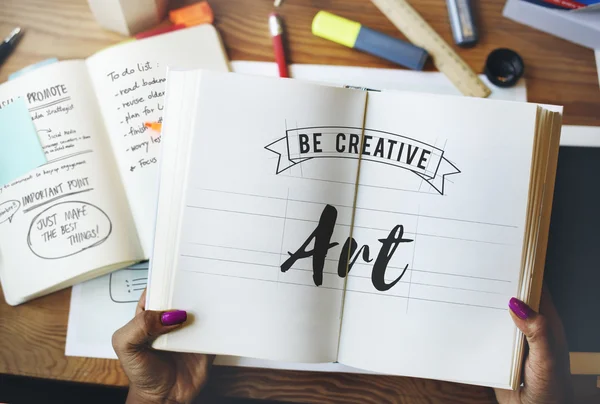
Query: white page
(130, 82)
(459, 260)
(80, 179)
(246, 207)
(112, 299)
(379, 79)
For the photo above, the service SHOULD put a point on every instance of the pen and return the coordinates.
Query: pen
(276, 29)
(9, 43)
(462, 20)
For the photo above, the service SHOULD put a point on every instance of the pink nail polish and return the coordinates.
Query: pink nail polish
(173, 317)
(522, 310)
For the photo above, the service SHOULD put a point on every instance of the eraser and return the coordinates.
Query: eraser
(196, 14)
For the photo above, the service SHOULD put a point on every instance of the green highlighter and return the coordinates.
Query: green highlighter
(354, 35)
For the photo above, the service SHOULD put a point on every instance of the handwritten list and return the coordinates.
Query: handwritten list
(140, 99)
(130, 82)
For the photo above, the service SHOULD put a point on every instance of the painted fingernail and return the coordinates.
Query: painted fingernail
(520, 309)
(173, 317)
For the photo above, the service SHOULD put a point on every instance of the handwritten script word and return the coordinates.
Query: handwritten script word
(322, 243)
(140, 67)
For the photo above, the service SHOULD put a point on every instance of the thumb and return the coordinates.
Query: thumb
(145, 327)
(536, 329)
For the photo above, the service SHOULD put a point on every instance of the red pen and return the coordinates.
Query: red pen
(277, 33)
(570, 4)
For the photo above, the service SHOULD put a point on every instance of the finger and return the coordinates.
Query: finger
(548, 309)
(535, 327)
(145, 328)
(141, 306)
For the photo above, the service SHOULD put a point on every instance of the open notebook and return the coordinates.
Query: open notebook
(385, 231)
(90, 209)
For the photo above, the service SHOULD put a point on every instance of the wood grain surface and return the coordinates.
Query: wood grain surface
(33, 335)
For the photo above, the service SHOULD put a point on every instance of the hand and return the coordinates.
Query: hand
(547, 375)
(158, 376)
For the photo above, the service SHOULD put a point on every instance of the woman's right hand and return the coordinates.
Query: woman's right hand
(547, 375)
(158, 377)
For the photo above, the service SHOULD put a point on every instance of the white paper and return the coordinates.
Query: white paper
(338, 75)
(378, 79)
(101, 306)
(228, 276)
(129, 81)
(72, 217)
(463, 240)
(580, 136)
(581, 27)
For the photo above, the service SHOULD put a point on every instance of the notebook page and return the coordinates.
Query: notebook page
(249, 208)
(130, 83)
(443, 211)
(70, 216)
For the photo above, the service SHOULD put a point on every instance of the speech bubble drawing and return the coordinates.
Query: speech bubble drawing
(68, 228)
(8, 210)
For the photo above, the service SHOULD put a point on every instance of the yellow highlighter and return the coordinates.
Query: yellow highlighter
(354, 35)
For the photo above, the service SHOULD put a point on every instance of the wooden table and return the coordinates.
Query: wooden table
(33, 334)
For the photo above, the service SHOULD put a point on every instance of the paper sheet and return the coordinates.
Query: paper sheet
(378, 79)
(95, 293)
(101, 306)
(129, 81)
(70, 215)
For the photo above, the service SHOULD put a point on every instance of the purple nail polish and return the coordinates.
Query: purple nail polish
(520, 309)
(173, 317)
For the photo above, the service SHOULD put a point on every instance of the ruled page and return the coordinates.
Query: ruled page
(129, 81)
(250, 205)
(442, 206)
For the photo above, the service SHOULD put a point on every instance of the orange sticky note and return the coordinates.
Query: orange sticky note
(196, 14)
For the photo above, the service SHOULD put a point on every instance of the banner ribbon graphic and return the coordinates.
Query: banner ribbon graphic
(303, 144)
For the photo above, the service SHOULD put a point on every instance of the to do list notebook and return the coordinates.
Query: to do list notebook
(89, 210)
(386, 231)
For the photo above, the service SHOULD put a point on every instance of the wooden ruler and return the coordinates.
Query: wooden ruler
(420, 33)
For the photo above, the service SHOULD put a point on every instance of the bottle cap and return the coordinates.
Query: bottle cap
(504, 67)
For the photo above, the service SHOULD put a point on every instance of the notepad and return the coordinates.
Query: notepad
(90, 209)
(20, 148)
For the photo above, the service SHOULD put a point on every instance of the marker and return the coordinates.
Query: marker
(462, 20)
(354, 35)
(155, 126)
(9, 43)
(276, 29)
